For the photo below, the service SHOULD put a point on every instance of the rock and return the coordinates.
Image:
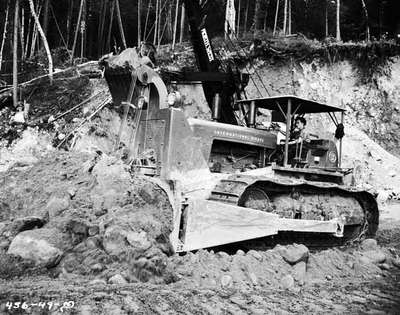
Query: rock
(114, 241)
(138, 241)
(222, 255)
(239, 301)
(70, 263)
(384, 266)
(3, 225)
(97, 267)
(226, 281)
(117, 279)
(396, 262)
(383, 196)
(329, 277)
(369, 244)
(375, 256)
(292, 254)
(32, 247)
(392, 173)
(11, 229)
(92, 242)
(287, 282)
(299, 272)
(255, 254)
(56, 205)
(85, 310)
(100, 212)
(257, 311)
(253, 278)
(130, 305)
(97, 282)
(18, 117)
(93, 230)
(240, 252)
(4, 245)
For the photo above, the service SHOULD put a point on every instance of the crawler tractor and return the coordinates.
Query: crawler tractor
(228, 178)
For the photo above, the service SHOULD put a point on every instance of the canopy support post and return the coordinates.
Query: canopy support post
(288, 123)
(341, 141)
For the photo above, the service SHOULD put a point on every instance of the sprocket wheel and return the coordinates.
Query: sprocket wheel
(256, 198)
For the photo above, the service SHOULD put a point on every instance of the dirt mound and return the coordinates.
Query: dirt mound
(106, 220)
(271, 268)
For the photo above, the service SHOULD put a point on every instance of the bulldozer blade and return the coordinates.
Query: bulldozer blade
(211, 223)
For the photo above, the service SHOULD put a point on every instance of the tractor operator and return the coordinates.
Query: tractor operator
(299, 134)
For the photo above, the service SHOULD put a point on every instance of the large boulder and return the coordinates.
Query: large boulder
(376, 256)
(292, 254)
(369, 244)
(42, 246)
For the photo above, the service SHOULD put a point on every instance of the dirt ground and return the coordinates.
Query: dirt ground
(377, 295)
(114, 259)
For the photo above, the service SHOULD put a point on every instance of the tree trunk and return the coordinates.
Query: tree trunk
(156, 24)
(290, 18)
(28, 37)
(83, 25)
(15, 55)
(3, 40)
(326, 19)
(45, 43)
(266, 15)
(139, 23)
(101, 28)
(147, 19)
(246, 16)
(121, 26)
(367, 35)
(108, 43)
(238, 20)
(45, 16)
(35, 32)
(175, 24)
(285, 17)
(22, 33)
(78, 24)
(69, 20)
(276, 17)
(338, 36)
(256, 17)
(182, 28)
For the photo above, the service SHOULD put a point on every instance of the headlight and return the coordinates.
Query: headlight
(171, 98)
(332, 156)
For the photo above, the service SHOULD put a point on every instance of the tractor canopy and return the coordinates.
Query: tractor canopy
(285, 107)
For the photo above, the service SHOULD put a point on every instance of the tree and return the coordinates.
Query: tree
(276, 17)
(238, 20)
(15, 55)
(338, 36)
(285, 17)
(266, 15)
(326, 18)
(256, 17)
(290, 17)
(367, 34)
(121, 26)
(44, 39)
(139, 23)
(175, 24)
(3, 40)
(182, 24)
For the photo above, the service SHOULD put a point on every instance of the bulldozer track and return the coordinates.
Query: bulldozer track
(237, 188)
